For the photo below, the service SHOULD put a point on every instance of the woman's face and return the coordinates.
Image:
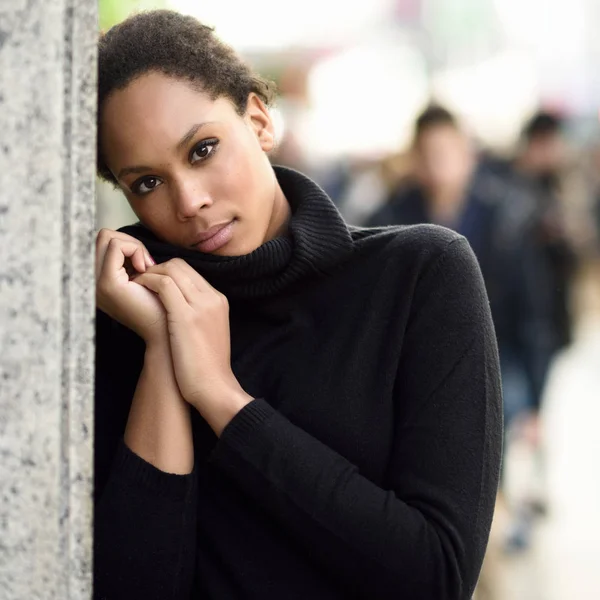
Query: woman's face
(195, 172)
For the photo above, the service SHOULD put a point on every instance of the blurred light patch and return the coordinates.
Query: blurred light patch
(364, 100)
(557, 35)
(553, 27)
(493, 97)
(276, 25)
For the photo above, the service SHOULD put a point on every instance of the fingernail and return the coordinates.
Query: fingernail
(151, 260)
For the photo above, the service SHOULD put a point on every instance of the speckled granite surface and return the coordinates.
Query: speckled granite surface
(47, 145)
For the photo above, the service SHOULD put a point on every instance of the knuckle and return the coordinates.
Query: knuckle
(218, 302)
(223, 299)
(128, 238)
(102, 237)
(165, 282)
(114, 242)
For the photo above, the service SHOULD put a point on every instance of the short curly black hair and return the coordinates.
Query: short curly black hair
(179, 46)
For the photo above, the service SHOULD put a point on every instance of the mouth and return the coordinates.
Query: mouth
(214, 238)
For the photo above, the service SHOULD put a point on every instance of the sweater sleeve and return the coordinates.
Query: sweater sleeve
(424, 535)
(144, 518)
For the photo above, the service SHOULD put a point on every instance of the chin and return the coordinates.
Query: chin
(234, 250)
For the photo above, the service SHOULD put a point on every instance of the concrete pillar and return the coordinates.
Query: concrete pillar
(47, 147)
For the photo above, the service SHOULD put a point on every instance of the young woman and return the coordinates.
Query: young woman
(286, 407)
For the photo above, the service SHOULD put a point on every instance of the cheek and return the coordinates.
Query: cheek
(153, 212)
(244, 176)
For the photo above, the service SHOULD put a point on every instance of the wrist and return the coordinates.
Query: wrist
(158, 352)
(221, 411)
(158, 338)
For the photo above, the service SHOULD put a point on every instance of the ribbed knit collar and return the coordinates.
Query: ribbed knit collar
(317, 240)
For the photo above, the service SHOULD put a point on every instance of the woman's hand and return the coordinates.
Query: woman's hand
(118, 258)
(198, 325)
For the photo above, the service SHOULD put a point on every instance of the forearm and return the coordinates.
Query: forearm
(145, 511)
(144, 532)
(366, 537)
(159, 425)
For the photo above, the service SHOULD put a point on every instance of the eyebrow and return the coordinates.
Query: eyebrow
(185, 140)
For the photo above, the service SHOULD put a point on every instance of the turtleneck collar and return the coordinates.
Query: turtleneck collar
(317, 240)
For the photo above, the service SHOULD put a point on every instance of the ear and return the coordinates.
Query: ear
(259, 120)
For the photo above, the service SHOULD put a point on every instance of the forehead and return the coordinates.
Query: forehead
(440, 134)
(157, 107)
(546, 138)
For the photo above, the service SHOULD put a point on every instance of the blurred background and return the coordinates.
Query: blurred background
(483, 116)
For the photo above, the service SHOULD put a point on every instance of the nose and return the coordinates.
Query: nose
(190, 198)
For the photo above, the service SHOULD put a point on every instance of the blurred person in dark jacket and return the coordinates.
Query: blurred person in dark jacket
(593, 183)
(541, 164)
(597, 215)
(448, 186)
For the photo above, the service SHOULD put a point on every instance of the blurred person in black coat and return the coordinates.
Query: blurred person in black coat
(449, 186)
(597, 214)
(541, 163)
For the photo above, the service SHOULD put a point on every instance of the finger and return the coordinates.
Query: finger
(138, 260)
(198, 280)
(103, 240)
(179, 268)
(173, 268)
(116, 253)
(168, 291)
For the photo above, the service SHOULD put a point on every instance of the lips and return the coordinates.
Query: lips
(206, 235)
(214, 238)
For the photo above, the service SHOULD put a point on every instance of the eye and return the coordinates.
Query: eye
(145, 185)
(203, 150)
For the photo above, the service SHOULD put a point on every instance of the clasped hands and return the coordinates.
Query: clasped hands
(171, 304)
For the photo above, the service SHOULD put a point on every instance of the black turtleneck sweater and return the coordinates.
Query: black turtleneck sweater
(367, 465)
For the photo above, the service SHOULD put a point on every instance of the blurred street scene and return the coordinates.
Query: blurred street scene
(563, 557)
(482, 116)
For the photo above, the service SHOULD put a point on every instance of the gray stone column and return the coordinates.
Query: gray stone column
(47, 146)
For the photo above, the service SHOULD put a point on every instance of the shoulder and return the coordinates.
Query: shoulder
(417, 259)
(423, 243)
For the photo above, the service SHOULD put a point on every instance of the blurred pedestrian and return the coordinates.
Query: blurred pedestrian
(541, 163)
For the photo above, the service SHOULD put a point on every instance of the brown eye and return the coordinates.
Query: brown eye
(146, 185)
(203, 150)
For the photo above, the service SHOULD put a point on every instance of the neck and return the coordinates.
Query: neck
(524, 164)
(445, 205)
(281, 215)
